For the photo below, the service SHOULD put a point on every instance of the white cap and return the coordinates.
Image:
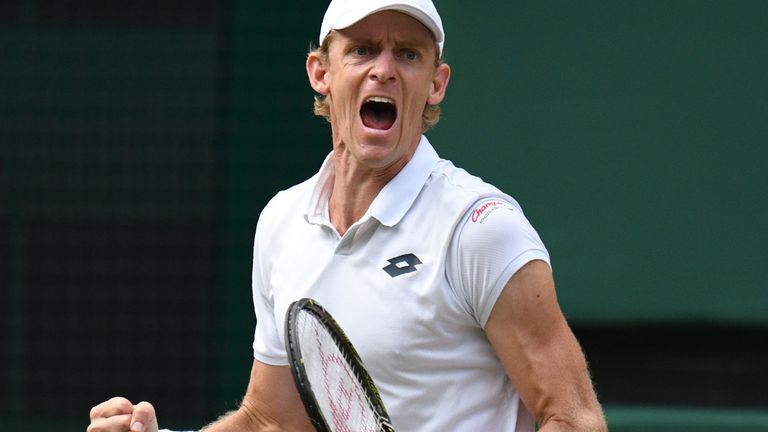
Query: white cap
(343, 13)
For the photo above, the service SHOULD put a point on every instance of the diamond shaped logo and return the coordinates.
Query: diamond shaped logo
(402, 264)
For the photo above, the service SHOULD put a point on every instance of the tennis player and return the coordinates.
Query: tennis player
(437, 277)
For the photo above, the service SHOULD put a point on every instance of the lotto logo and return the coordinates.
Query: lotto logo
(402, 264)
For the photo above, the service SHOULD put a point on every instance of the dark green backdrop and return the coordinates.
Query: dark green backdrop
(634, 134)
(138, 143)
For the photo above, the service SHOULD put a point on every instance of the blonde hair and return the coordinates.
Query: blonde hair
(322, 108)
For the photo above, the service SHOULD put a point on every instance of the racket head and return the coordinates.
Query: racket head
(308, 329)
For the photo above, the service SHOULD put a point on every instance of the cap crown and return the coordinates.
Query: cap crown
(344, 13)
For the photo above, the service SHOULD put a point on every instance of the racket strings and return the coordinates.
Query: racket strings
(340, 396)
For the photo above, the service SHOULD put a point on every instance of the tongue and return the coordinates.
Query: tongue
(377, 116)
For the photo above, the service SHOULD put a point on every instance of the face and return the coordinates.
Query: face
(379, 75)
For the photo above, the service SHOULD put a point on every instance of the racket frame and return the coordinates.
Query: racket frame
(299, 373)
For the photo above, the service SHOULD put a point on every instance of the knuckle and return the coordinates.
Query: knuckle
(124, 407)
(114, 406)
(120, 402)
(145, 408)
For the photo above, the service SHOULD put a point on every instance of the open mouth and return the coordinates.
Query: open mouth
(378, 113)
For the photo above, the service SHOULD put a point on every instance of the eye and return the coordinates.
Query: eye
(410, 54)
(361, 51)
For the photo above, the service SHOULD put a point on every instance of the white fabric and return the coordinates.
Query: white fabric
(492, 242)
(344, 13)
(420, 333)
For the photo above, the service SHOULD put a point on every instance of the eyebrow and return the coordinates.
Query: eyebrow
(420, 45)
(407, 42)
(352, 41)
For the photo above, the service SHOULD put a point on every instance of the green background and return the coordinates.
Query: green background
(633, 134)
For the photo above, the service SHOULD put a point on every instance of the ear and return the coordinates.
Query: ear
(439, 84)
(317, 71)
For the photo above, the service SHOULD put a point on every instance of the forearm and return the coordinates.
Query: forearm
(234, 421)
(591, 421)
(578, 411)
(230, 421)
(240, 420)
(255, 417)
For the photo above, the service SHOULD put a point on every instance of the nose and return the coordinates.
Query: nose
(383, 68)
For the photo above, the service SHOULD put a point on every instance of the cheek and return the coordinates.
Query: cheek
(342, 103)
(417, 100)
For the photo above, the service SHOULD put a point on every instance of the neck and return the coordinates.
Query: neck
(354, 188)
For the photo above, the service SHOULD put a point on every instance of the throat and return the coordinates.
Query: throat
(354, 190)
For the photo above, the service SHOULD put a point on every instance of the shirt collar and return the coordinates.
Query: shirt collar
(391, 204)
(394, 200)
(317, 205)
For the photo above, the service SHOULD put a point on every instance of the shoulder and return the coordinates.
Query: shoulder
(284, 206)
(490, 244)
(459, 180)
(496, 221)
(294, 198)
(476, 198)
(455, 190)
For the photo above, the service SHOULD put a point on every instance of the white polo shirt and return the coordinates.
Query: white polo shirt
(412, 283)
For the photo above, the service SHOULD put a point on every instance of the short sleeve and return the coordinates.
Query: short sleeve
(268, 347)
(492, 242)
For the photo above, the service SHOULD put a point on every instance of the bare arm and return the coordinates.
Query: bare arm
(541, 354)
(271, 403)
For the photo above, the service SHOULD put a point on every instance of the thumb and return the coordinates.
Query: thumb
(144, 418)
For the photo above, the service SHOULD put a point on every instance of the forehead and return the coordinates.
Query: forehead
(390, 26)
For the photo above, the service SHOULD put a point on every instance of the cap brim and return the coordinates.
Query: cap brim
(356, 14)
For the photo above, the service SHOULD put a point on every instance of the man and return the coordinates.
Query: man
(437, 277)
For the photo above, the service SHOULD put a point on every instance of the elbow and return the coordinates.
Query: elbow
(594, 422)
(594, 419)
(256, 418)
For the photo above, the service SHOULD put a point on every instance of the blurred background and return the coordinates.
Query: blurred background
(139, 140)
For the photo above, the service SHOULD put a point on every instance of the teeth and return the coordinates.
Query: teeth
(380, 99)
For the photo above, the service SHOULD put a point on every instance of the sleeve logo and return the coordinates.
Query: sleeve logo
(485, 209)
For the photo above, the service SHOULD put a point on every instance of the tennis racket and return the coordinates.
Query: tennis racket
(336, 390)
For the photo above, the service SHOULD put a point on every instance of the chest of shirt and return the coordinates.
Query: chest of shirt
(385, 286)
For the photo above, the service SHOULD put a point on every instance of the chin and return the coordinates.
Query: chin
(376, 159)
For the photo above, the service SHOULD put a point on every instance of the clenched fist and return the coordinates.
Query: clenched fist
(120, 415)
